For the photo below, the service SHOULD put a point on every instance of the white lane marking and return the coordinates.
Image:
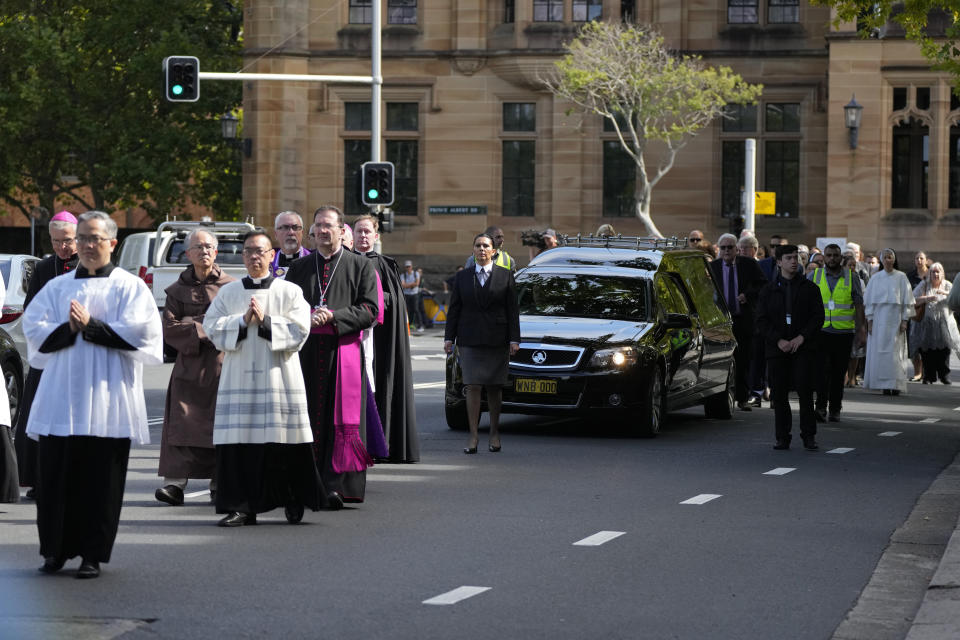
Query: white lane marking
(417, 467)
(841, 450)
(429, 357)
(152, 421)
(779, 471)
(429, 385)
(381, 478)
(930, 420)
(956, 409)
(598, 538)
(197, 494)
(455, 596)
(889, 434)
(703, 498)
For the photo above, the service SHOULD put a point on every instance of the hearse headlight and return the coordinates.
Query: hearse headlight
(618, 358)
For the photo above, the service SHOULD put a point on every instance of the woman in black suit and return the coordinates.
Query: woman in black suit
(483, 319)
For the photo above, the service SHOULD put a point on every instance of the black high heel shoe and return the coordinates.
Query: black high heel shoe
(469, 450)
(494, 449)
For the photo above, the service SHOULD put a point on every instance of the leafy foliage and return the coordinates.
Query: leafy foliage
(625, 73)
(82, 106)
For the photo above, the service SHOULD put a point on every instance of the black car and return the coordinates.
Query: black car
(616, 327)
(12, 372)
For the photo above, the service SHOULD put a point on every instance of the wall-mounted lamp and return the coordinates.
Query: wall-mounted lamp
(852, 112)
(228, 129)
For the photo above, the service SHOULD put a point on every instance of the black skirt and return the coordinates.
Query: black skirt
(484, 365)
(80, 482)
(256, 478)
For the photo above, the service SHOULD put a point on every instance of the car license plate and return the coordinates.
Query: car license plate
(533, 385)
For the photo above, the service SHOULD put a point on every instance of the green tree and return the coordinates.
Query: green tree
(940, 48)
(82, 106)
(624, 73)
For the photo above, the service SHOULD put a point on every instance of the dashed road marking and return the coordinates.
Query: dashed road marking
(889, 434)
(703, 498)
(197, 494)
(429, 357)
(930, 420)
(455, 596)
(598, 538)
(841, 450)
(779, 471)
(429, 385)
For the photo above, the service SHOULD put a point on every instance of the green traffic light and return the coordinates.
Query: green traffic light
(176, 89)
(372, 194)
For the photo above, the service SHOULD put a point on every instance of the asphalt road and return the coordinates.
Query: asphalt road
(778, 544)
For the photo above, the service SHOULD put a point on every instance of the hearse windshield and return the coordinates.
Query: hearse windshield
(583, 296)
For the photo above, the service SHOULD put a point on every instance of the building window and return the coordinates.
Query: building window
(520, 116)
(548, 10)
(361, 12)
(783, 11)
(954, 198)
(740, 117)
(401, 11)
(587, 10)
(742, 12)
(782, 175)
(509, 10)
(783, 117)
(732, 178)
(628, 9)
(357, 117)
(403, 116)
(355, 153)
(519, 166)
(619, 180)
(911, 160)
(405, 156)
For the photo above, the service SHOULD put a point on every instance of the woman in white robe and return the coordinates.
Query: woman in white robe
(888, 304)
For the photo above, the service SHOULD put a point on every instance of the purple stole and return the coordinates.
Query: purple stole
(276, 270)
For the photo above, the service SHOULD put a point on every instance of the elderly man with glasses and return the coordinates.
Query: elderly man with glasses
(740, 280)
(288, 229)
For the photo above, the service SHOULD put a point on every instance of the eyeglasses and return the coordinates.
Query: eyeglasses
(88, 240)
(724, 247)
(694, 240)
(253, 251)
(64, 243)
(203, 248)
(290, 227)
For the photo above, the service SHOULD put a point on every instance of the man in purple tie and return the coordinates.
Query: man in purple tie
(739, 279)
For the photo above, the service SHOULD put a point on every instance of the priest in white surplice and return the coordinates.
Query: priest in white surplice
(888, 304)
(262, 429)
(91, 331)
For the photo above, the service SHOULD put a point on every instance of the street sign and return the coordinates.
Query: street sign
(765, 203)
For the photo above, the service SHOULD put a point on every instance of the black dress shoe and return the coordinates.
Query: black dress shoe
(834, 417)
(334, 501)
(945, 380)
(744, 406)
(88, 569)
(31, 494)
(494, 449)
(820, 414)
(810, 444)
(52, 564)
(171, 494)
(782, 445)
(238, 519)
(469, 450)
(294, 513)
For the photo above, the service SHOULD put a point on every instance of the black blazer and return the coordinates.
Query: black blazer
(750, 280)
(484, 316)
(806, 314)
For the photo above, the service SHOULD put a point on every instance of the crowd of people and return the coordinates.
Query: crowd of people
(812, 320)
(288, 384)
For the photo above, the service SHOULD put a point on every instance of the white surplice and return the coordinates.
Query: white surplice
(887, 302)
(88, 389)
(4, 399)
(261, 396)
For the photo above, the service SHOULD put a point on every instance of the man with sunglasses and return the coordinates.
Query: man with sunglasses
(695, 239)
(740, 281)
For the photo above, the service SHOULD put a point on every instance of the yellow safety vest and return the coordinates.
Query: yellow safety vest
(504, 260)
(838, 311)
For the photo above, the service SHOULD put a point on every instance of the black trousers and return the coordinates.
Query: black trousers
(935, 363)
(80, 481)
(834, 358)
(795, 372)
(743, 332)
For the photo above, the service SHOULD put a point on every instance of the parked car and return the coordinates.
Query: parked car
(13, 368)
(625, 328)
(136, 254)
(16, 270)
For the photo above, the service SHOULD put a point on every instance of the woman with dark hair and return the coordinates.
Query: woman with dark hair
(888, 303)
(483, 320)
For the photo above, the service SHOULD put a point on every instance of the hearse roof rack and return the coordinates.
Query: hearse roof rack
(640, 243)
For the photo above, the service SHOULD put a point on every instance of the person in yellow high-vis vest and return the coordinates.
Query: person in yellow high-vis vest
(501, 258)
(842, 294)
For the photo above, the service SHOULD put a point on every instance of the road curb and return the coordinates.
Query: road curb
(914, 592)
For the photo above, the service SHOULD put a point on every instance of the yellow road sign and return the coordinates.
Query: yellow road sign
(765, 203)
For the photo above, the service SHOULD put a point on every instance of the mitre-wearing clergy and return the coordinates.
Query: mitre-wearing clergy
(261, 429)
(91, 331)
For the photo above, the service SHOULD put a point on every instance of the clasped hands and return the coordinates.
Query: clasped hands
(320, 317)
(79, 317)
(790, 346)
(254, 314)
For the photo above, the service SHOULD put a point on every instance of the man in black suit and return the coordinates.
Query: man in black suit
(740, 281)
(789, 317)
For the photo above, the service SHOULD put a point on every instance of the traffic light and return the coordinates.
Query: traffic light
(386, 220)
(181, 78)
(376, 183)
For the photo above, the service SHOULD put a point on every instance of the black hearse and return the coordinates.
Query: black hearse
(619, 327)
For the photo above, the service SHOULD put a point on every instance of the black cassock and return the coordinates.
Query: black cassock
(45, 271)
(349, 282)
(391, 367)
